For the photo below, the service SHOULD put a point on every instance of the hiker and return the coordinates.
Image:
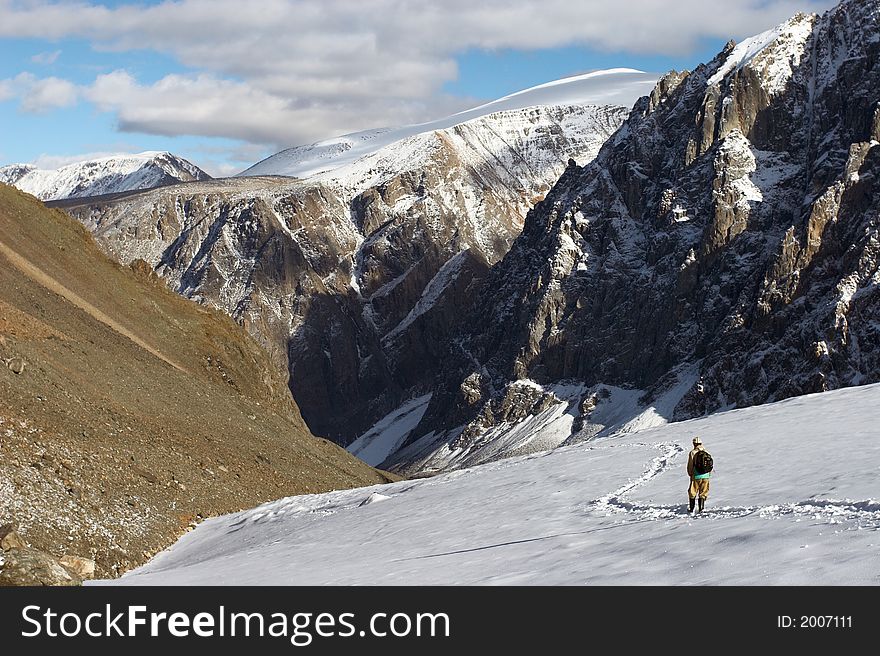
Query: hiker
(699, 469)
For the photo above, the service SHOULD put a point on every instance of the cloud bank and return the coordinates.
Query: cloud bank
(285, 72)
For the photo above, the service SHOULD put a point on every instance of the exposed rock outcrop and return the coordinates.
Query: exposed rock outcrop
(20, 565)
(731, 224)
(84, 568)
(31, 567)
(10, 539)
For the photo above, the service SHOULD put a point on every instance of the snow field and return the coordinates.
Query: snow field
(794, 500)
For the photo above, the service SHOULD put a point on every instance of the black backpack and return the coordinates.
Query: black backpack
(702, 462)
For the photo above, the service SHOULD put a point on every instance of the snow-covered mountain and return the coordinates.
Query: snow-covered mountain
(725, 243)
(608, 512)
(104, 175)
(613, 87)
(721, 250)
(354, 276)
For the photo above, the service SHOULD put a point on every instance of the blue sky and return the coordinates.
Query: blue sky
(226, 83)
(496, 73)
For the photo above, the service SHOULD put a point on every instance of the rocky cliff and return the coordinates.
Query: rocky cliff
(353, 278)
(724, 244)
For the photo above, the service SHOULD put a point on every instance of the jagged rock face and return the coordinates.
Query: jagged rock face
(730, 223)
(354, 279)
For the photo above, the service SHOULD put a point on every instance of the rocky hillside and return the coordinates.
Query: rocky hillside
(723, 245)
(354, 277)
(127, 413)
(98, 177)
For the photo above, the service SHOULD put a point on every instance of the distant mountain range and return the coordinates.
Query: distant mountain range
(133, 172)
(105, 175)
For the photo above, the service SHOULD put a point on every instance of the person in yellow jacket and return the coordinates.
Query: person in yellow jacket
(699, 487)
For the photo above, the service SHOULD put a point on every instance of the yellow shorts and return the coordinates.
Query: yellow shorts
(699, 488)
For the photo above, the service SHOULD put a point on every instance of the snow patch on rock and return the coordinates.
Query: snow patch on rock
(389, 433)
(777, 62)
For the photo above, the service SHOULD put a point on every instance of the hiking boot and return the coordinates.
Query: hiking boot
(702, 502)
(691, 505)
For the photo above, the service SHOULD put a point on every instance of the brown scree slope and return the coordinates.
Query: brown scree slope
(137, 412)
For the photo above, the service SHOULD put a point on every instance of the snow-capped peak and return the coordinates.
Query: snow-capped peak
(102, 175)
(777, 50)
(617, 87)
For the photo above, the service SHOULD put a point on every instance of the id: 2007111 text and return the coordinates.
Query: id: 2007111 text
(814, 621)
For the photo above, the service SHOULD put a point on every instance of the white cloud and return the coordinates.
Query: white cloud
(201, 105)
(208, 106)
(48, 94)
(6, 90)
(290, 71)
(222, 161)
(222, 168)
(46, 58)
(39, 95)
(350, 28)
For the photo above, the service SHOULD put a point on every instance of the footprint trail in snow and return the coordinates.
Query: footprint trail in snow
(864, 513)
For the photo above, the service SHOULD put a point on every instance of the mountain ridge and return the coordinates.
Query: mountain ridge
(101, 176)
(616, 87)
